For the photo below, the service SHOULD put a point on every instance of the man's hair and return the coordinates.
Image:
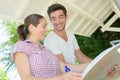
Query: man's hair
(55, 7)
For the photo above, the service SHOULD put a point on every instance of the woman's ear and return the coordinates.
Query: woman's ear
(31, 28)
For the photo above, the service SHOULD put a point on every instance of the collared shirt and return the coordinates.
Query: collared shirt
(43, 63)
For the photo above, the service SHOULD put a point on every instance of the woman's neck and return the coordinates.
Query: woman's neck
(37, 41)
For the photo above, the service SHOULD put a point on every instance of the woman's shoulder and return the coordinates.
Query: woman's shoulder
(22, 46)
(23, 43)
(19, 43)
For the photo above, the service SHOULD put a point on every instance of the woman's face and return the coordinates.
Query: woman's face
(41, 29)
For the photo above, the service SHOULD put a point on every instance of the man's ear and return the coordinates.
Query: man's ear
(66, 17)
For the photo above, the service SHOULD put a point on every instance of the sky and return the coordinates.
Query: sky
(12, 75)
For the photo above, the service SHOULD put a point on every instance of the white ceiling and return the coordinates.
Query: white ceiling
(85, 16)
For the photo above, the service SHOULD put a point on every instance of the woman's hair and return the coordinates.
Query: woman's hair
(56, 7)
(22, 30)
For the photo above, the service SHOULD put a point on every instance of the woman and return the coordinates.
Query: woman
(34, 61)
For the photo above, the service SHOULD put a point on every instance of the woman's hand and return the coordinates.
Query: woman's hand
(71, 76)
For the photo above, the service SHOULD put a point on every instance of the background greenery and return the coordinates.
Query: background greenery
(3, 75)
(99, 41)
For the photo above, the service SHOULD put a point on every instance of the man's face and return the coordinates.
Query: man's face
(58, 20)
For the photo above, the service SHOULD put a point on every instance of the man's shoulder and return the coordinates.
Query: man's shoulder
(50, 36)
(70, 33)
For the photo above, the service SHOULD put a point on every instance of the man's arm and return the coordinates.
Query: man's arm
(61, 58)
(82, 57)
(78, 53)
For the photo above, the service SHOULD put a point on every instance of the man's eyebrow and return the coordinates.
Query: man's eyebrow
(62, 15)
(59, 16)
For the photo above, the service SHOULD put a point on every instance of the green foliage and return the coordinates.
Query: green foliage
(7, 46)
(11, 31)
(98, 42)
(49, 30)
(3, 75)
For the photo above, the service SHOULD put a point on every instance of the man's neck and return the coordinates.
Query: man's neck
(62, 34)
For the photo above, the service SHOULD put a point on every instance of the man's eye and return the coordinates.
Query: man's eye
(44, 26)
(61, 16)
(53, 19)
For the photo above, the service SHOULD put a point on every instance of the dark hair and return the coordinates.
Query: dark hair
(55, 7)
(22, 30)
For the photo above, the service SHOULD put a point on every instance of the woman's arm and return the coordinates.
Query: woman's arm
(74, 67)
(23, 67)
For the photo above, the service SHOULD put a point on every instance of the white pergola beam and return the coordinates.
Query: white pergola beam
(109, 23)
(22, 8)
(80, 11)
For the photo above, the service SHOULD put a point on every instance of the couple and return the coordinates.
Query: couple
(34, 61)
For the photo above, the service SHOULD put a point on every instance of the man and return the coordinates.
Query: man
(61, 42)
